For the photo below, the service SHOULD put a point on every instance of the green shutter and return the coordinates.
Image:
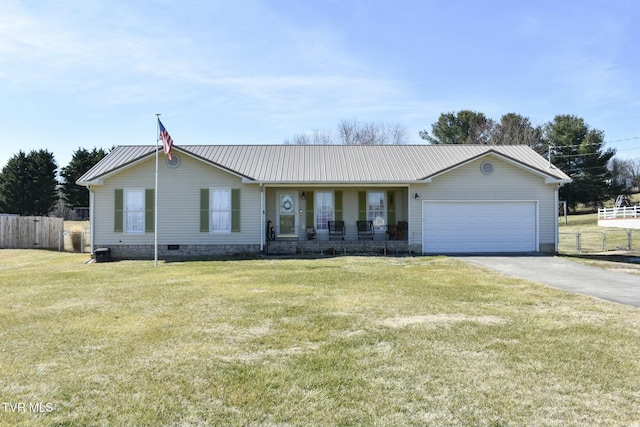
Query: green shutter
(118, 222)
(391, 208)
(149, 208)
(204, 210)
(338, 203)
(235, 210)
(310, 199)
(362, 205)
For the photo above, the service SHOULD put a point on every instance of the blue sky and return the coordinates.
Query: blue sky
(93, 73)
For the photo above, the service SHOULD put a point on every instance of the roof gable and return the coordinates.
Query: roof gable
(534, 167)
(332, 163)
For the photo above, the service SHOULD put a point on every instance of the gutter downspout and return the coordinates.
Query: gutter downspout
(263, 224)
(92, 226)
(556, 207)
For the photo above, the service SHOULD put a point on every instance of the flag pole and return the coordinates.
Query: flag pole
(155, 210)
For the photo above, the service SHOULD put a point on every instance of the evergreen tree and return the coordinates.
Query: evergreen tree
(75, 195)
(514, 129)
(28, 184)
(578, 150)
(14, 185)
(463, 127)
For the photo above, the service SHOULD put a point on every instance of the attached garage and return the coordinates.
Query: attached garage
(479, 226)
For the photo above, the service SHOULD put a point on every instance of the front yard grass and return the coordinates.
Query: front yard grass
(338, 341)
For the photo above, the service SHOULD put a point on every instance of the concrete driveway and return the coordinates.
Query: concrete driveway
(564, 274)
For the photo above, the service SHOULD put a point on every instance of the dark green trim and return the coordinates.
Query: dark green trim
(391, 207)
(338, 203)
(310, 206)
(204, 210)
(362, 205)
(235, 210)
(118, 223)
(149, 210)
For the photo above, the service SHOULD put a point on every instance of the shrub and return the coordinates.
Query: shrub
(76, 239)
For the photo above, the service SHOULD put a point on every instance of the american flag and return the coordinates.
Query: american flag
(167, 142)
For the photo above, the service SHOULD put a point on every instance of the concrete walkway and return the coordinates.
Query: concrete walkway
(564, 274)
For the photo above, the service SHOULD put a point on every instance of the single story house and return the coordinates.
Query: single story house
(225, 199)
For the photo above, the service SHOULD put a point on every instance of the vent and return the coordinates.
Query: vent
(174, 162)
(487, 168)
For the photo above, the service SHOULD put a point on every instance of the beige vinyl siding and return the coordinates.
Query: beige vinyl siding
(508, 182)
(178, 204)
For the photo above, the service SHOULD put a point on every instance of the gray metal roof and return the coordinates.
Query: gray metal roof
(331, 163)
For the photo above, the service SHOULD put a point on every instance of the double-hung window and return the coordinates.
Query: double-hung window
(134, 211)
(220, 210)
(324, 209)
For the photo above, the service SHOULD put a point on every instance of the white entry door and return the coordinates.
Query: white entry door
(484, 226)
(287, 217)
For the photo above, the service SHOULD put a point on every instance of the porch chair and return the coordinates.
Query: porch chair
(399, 231)
(336, 230)
(365, 230)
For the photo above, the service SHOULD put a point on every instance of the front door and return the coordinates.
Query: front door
(287, 214)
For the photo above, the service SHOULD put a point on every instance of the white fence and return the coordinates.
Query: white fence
(621, 212)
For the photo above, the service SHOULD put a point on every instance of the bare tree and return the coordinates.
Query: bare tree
(298, 139)
(625, 172)
(634, 172)
(352, 132)
(320, 137)
(347, 131)
(398, 134)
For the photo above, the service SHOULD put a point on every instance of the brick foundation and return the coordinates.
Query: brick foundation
(179, 251)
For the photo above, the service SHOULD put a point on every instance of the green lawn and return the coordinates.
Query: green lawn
(368, 341)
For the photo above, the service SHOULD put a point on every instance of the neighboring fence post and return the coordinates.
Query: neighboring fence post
(629, 238)
(578, 247)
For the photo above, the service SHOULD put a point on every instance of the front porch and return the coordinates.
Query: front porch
(337, 247)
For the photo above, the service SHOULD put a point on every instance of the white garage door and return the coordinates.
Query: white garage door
(504, 226)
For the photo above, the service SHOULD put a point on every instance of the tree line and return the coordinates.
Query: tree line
(571, 144)
(29, 183)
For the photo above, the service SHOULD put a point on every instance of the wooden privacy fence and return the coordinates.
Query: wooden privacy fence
(31, 232)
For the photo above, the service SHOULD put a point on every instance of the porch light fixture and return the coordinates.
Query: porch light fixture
(304, 196)
(416, 196)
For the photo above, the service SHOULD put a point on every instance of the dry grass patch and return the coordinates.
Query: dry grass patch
(342, 341)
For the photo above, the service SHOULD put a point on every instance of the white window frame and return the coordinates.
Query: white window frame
(129, 210)
(328, 214)
(375, 213)
(222, 209)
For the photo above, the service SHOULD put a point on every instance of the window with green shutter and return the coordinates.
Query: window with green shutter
(134, 211)
(219, 210)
